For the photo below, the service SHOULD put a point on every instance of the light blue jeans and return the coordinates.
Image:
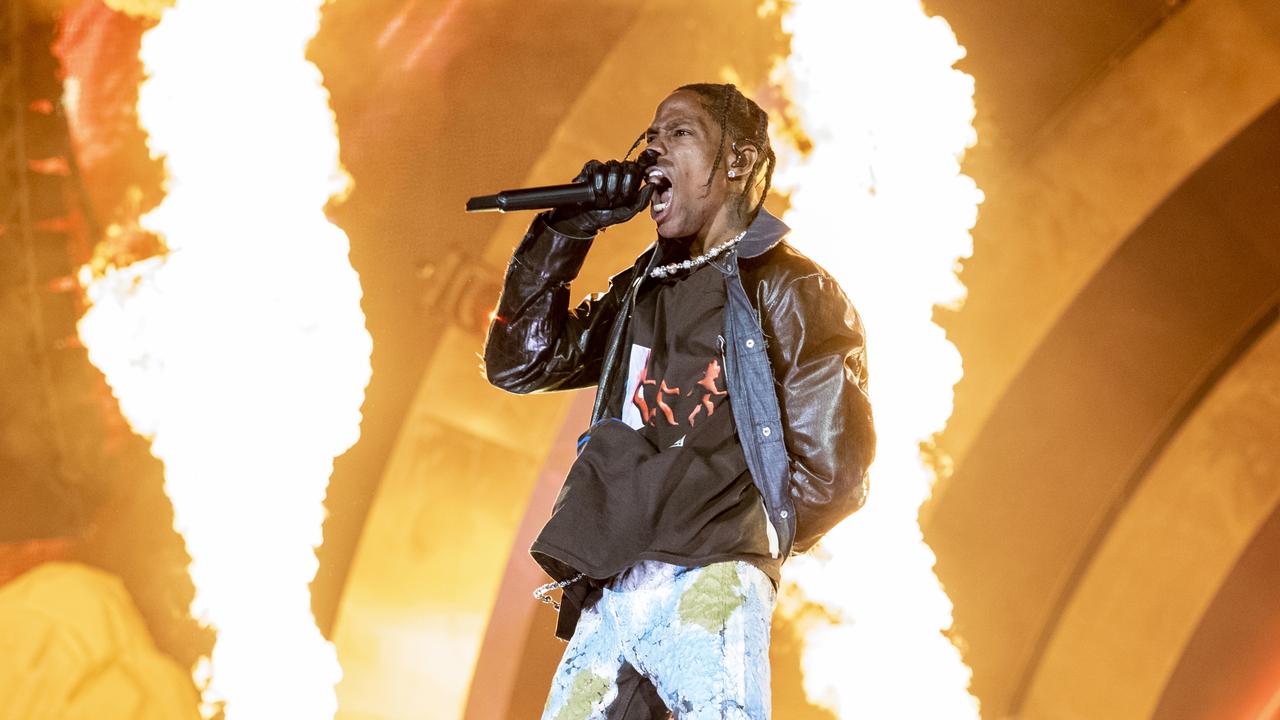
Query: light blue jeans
(691, 640)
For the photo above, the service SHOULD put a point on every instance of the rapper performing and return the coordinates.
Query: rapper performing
(731, 423)
(639, 360)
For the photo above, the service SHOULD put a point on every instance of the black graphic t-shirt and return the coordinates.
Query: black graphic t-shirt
(668, 481)
(676, 382)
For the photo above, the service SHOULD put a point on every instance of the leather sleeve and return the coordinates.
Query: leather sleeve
(817, 350)
(535, 342)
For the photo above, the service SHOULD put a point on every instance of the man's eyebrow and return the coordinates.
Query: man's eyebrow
(677, 120)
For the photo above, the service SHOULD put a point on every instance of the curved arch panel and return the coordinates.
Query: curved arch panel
(1057, 213)
(1172, 546)
(1070, 441)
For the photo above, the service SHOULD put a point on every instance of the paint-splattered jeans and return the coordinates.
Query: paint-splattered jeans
(692, 640)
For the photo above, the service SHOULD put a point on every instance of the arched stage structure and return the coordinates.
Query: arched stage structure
(1116, 455)
(1109, 527)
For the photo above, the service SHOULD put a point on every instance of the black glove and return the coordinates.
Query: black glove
(620, 193)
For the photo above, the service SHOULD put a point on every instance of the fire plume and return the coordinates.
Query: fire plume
(242, 352)
(878, 198)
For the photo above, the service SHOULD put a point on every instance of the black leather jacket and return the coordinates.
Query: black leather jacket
(805, 424)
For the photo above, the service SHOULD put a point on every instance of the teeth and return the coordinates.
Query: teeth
(660, 206)
(658, 178)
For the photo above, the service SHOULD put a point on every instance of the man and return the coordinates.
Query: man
(731, 424)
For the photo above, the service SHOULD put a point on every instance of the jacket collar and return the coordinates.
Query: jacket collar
(763, 234)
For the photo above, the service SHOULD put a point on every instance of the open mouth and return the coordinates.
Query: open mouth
(662, 195)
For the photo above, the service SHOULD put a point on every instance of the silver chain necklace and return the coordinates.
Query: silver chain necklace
(694, 263)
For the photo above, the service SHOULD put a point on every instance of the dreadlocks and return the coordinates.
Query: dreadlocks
(740, 120)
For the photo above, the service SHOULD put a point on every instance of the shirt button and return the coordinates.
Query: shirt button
(766, 432)
(751, 343)
(785, 514)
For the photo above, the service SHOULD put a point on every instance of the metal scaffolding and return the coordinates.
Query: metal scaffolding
(38, 206)
(15, 200)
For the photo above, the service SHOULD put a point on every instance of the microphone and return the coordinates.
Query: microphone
(550, 196)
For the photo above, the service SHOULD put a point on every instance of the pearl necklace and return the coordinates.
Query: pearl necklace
(694, 263)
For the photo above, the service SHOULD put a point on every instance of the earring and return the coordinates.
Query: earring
(731, 173)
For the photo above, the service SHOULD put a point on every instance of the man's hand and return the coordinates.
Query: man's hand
(620, 193)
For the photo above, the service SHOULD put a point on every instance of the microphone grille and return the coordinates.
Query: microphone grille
(648, 158)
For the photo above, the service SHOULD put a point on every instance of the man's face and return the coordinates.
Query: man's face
(686, 138)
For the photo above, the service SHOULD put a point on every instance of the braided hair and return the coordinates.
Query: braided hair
(740, 119)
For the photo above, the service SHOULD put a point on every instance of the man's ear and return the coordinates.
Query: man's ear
(744, 156)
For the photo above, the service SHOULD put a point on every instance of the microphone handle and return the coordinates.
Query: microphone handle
(535, 198)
